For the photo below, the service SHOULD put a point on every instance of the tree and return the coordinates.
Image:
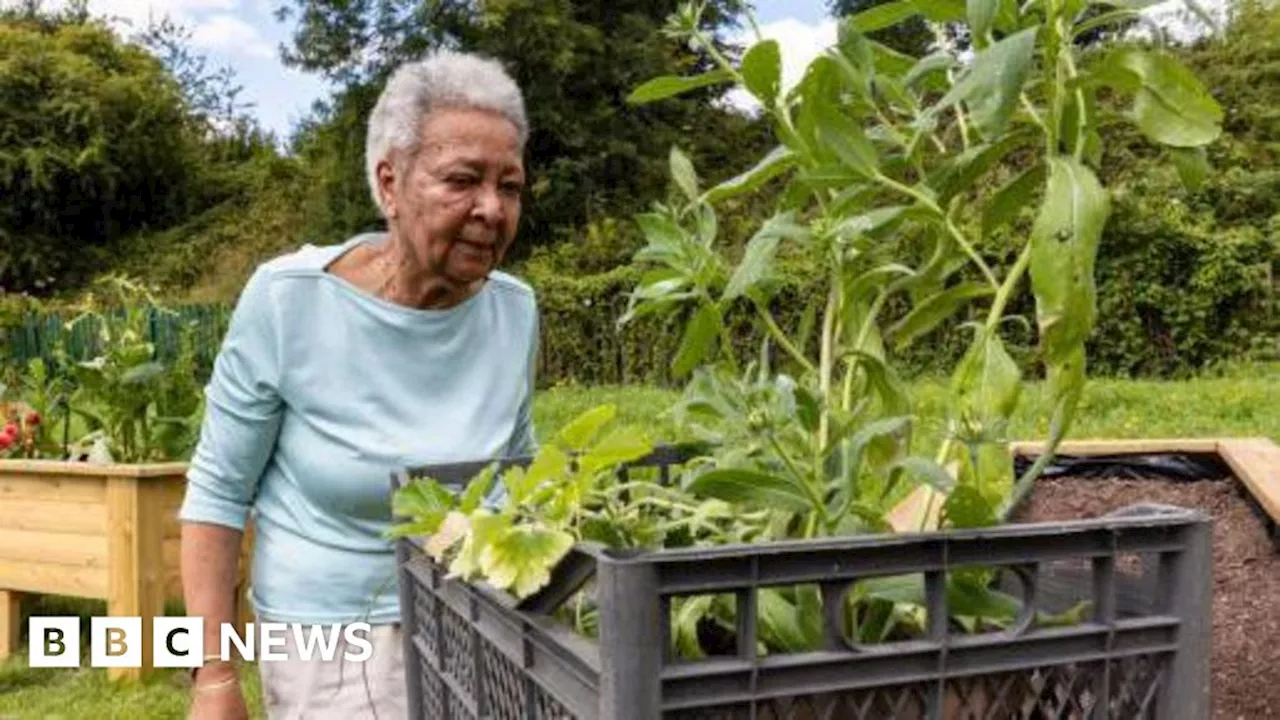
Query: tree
(94, 143)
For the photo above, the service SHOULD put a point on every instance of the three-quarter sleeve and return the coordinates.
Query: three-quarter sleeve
(523, 439)
(243, 408)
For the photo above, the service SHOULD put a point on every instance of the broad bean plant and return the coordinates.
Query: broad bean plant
(892, 175)
(887, 166)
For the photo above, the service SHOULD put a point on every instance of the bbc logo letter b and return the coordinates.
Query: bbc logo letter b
(116, 642)
(54, 642)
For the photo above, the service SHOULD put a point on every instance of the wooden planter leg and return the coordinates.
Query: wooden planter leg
(10, 622)
(135, 585)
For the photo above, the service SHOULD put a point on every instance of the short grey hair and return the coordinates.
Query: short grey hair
(443, 79)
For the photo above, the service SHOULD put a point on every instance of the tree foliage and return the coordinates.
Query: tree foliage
(95, 144)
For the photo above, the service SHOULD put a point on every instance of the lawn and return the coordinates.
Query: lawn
(1240, 402)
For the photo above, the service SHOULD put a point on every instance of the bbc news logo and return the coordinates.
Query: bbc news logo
(178, 642)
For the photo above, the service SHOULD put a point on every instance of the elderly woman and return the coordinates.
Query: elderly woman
(344, 363)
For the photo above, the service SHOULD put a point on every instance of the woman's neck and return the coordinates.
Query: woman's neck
(396, 274)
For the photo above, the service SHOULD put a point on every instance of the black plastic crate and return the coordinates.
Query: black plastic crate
(1142, 651)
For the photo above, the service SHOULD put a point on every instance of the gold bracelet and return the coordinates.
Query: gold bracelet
(218, 685)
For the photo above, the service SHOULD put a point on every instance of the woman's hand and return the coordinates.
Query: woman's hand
(216, 695)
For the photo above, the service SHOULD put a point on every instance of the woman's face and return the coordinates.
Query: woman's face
(458, 205)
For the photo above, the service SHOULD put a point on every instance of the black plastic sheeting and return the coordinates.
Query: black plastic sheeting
(1174, 467)
(1186, 467)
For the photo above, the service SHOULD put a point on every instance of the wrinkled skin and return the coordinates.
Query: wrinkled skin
(452, 210)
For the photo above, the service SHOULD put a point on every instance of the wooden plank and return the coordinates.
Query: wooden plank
(83, 469)
(10, 622)
(50, 516)
(47, 578)
(169, 500)
(68, 488)
(135, 584)
(1256, 461)
(1086, 448)
(54, 548)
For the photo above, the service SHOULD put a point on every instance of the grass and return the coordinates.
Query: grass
(1243, 401)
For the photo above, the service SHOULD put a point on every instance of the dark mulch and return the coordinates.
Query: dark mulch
(1246, 577)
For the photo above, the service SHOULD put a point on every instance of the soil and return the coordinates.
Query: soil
(1246, 577)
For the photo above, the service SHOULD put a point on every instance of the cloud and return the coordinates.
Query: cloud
(230, 34)
(799, 42)
(136, 13)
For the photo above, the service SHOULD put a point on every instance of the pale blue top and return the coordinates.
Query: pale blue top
(320, 392)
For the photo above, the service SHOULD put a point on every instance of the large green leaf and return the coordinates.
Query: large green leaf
(846, 138)
(982, 18)
(424, 501)
(1193, 166)
(686, 178)
(757, 262)
(778, 161)
(986, 383)
(549, 465)
(623, 445)
(992, 84)
(929, 65)
(751, 487)
(686, 613)
(780, 625)
(1011, 199)
(958, 174)
(478, 488)
(884, 16)
(698, 340)
(942, 11)
(484, 527)
(1170, 105)
(926, 315)
(762, 71)
(892, 392)
(582, 430)
(667, 86)
(520, 558)
(966, 507)
(1064, 246)
(926, 471)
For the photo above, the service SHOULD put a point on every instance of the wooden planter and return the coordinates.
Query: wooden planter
(94, 531)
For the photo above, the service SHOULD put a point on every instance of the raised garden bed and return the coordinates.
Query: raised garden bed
(107, 532)
(1141, 651)
(1246, 568)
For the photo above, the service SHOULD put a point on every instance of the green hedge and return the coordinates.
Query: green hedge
(1174, 298)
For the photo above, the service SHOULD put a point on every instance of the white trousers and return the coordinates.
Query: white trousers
(314, 689)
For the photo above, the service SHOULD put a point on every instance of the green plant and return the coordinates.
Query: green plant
(135, 407)
(878, 147)
(879, 151)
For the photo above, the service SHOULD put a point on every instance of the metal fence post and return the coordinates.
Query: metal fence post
(630, 640)
(1187, 585)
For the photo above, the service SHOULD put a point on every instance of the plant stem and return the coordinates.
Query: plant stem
(1006, 290)
(825, 358)
(1031, 110)
(814, 497)
(1082, 121)
(777, 334)
(952, 230)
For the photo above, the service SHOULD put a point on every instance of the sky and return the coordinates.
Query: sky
(245, 35)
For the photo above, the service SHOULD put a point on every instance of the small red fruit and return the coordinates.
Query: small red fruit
(11, 430)
(5, 441)
(33, 418)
